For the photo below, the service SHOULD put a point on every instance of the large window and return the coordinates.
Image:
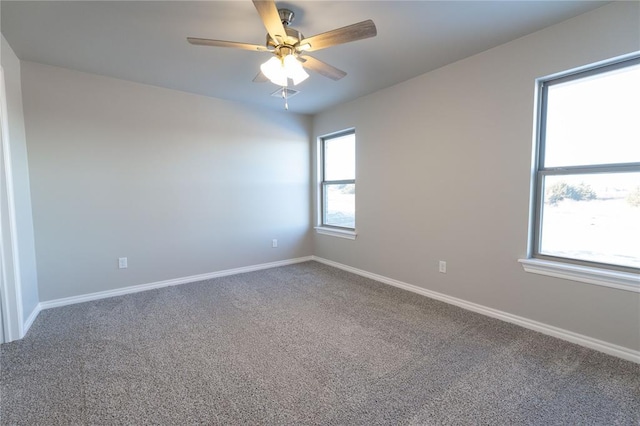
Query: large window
(338, 181)
(588, 168)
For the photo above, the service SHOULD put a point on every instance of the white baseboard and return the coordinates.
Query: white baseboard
(586, 341)
(166, 283)
(29, 321)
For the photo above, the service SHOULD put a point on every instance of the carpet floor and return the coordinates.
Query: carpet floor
(303, 344)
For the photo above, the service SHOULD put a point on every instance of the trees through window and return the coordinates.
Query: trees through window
(588, 167)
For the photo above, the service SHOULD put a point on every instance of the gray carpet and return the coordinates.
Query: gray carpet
(302, 344)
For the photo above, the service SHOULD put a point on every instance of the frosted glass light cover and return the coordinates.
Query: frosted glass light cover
(294, 69)
(274, 70)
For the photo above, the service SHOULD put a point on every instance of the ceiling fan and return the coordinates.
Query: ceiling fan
(290, 47)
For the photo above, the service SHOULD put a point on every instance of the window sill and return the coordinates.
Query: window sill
(603, 277)
(341, 233)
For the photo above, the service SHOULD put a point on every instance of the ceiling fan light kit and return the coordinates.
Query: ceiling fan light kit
(280, 68)
(288, 46)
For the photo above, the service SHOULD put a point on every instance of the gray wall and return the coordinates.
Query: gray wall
(178, 183)
(25, 274)
(443, 173)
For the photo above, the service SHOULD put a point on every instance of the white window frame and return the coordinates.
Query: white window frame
(322, 228)
(603, 274)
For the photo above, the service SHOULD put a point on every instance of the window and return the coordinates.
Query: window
(338, 183)
(587, 187)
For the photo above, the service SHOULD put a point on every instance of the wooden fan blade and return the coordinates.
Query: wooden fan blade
(223, 43)
(359, 31)
(322, 67)
(271, 19)
(260, 78)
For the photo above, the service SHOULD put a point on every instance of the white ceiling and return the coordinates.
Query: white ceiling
(145, 41)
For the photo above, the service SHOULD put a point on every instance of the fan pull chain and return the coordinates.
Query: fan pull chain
(284, 96)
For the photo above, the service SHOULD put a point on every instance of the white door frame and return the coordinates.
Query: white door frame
(10, 285)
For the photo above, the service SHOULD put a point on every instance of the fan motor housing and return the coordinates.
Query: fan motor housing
(293, 36)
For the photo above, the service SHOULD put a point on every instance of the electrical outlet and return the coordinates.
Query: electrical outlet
(442, 267)
(122, 262)
(274, 243)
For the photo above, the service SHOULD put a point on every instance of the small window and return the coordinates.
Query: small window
(588, 168)
(338, 181)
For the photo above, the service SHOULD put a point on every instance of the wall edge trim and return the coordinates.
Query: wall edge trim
(32, 317)
(560, 333)
(166, 283)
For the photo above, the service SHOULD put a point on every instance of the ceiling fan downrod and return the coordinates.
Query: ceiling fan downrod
(286, 16)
